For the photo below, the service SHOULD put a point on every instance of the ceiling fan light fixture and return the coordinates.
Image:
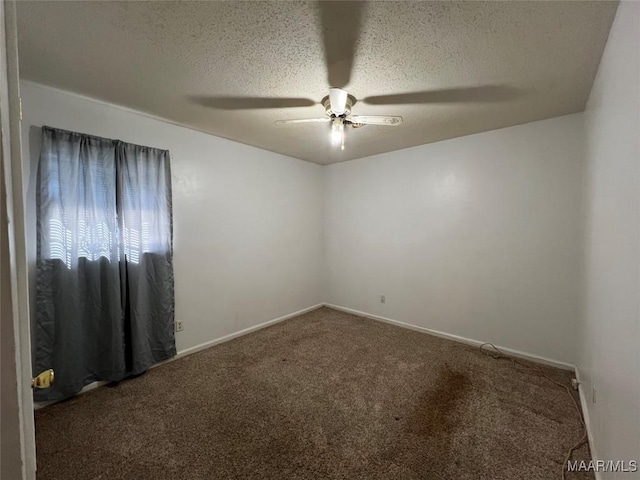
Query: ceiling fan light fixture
(337, 132)
(337, 108)
(338, 99)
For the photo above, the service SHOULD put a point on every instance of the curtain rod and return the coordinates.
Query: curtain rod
(69, 132)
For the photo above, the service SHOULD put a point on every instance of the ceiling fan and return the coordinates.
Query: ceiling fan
(338, 111)
(341, 23)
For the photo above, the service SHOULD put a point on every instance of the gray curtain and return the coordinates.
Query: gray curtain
(104, 284)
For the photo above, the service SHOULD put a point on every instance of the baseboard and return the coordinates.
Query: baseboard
(197, 348)
(587, 421)
(456, 338)
(240, 333)
(448, 336)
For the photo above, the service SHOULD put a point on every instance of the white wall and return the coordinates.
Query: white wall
(609, 356)
(247, 222)
(477, 236)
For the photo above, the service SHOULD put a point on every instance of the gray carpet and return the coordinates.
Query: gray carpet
(323, 395)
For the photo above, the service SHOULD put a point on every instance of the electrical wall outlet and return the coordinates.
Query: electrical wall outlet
(179, 326)
(383, 299)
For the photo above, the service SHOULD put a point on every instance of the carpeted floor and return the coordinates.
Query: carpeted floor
(324, 395)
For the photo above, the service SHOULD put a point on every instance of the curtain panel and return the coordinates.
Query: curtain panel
(104, 281)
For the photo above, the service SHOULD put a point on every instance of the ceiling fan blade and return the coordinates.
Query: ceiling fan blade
(341, 22)
(482, 94)
(304, 120)
(338, 100)
(391, 121)
(248, 103)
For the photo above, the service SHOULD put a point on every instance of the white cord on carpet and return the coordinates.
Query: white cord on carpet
(499, 354)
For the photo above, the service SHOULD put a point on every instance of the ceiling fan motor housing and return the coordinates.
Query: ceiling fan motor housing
(326, 103)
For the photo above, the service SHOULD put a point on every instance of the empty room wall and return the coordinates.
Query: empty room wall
(477, 236)
(609, 356)
(247, 222)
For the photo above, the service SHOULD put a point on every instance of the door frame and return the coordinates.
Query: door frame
(19, 381)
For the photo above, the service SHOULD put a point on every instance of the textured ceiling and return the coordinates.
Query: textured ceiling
(475, 66)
